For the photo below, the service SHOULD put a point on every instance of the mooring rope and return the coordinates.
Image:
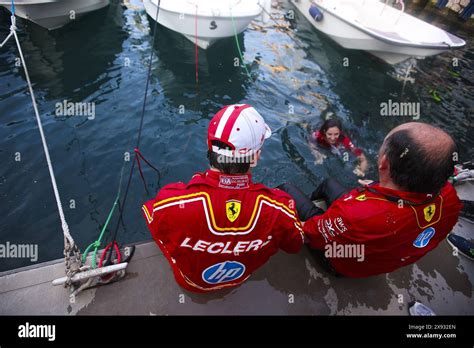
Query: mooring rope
(70, 248)
(64, 224)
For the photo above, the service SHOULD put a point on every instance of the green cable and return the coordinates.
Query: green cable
(238, 46)
(97, 243)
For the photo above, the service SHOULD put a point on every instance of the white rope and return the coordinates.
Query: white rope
(64, 225)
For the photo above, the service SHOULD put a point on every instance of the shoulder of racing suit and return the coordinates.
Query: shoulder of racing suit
(199, 180)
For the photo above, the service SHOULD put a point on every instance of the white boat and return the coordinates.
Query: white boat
(53, 14)
(205, 21)
(375, 27)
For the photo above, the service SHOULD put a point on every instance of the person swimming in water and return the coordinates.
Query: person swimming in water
(331, 136)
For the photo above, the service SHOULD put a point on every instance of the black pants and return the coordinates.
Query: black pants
(329, 190)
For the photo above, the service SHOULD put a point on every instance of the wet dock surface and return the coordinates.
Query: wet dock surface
(286, 285)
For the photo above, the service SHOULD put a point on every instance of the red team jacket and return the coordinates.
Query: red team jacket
(343, 141)
(218, 229)
(391, 235)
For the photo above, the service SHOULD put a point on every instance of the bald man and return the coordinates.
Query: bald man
(383, 226)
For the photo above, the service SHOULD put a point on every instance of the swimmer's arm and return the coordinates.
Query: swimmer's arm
(363, 163)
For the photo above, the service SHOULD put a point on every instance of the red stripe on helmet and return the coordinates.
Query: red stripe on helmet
(211, 131)
(231, 121)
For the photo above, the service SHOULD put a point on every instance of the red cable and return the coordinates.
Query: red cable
(139, 155)
(137, 151)
(117, 250)
(137, 158)
(119, 259)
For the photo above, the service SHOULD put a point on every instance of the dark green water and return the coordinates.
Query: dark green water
(87, 61)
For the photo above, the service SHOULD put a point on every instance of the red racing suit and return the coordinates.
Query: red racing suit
(366, 233)
(218, 229)
(342, 141)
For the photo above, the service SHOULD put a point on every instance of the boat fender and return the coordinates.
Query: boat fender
(316, 13)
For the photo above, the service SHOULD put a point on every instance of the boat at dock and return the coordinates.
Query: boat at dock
(53, 14)
(373, 26)
(205, 22)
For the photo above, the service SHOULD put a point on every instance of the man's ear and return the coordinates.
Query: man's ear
(383, 163)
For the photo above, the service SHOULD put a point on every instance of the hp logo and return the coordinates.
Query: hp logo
(223, 272)
(424, 238)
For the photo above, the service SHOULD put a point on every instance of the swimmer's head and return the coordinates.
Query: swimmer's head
(331, 130)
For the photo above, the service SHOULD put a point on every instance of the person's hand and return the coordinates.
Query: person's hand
(365, 182)
(357, 171)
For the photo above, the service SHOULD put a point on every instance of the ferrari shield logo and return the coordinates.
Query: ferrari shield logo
(429, 212)
(361, 198)
(232, 209)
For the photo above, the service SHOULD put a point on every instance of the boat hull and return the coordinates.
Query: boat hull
(209, 29)
(350, 37)
(54, 14)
